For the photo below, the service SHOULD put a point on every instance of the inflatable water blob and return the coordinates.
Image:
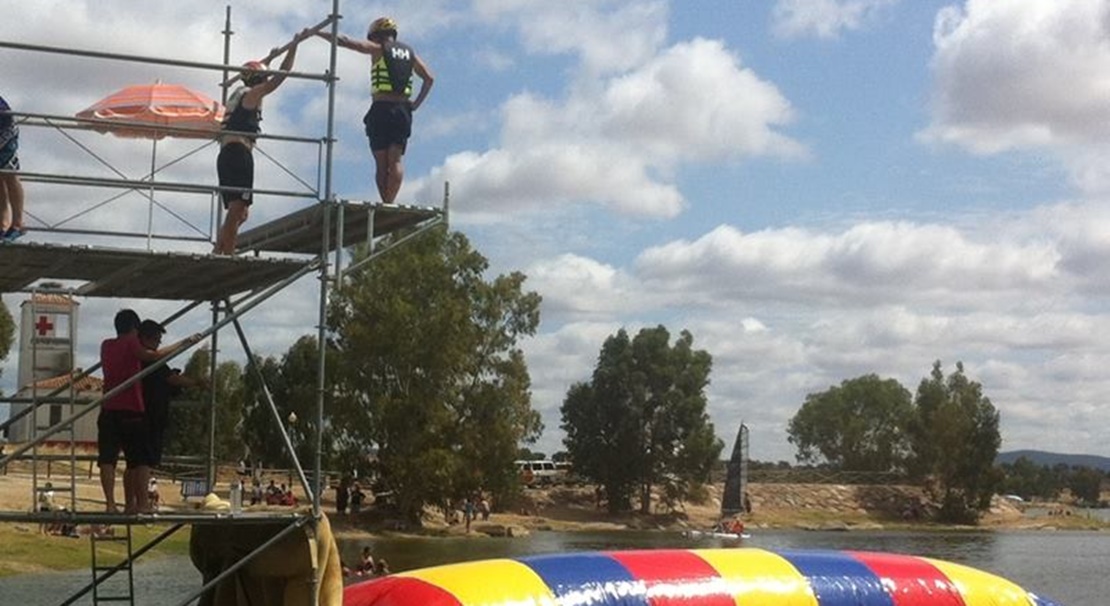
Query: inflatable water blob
(702, 577)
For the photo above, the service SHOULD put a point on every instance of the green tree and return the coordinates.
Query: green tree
(7, 332)
(1027, 479)
(955, 440)
(430, 372)
(187, 433)
(1086, 484)
(293, 385)
(527, 454)
(856, 426)
(640, 423)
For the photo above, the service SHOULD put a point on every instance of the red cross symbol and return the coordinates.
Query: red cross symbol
(44, 326)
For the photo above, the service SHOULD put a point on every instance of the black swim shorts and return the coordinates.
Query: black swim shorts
(122, 430)
(388, 123)
(235, 167)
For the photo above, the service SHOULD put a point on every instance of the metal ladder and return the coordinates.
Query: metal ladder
(102, 570)
(62, 313)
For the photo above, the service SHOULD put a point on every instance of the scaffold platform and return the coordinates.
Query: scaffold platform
(299, 232)
(125, 274)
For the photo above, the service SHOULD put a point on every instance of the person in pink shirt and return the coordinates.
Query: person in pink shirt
(122, 422)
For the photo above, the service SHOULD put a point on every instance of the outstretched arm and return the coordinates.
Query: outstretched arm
(153, 355)
(366, 47)
(253, 98)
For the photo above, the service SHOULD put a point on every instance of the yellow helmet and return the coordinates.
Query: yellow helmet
(382, 24)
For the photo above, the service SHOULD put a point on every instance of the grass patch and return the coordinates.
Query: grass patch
(26, 551)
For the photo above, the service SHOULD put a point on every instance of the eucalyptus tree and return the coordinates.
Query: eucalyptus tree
(7, 332)
(954, 440)
(429, 370)
(640, 423)
(859, 425)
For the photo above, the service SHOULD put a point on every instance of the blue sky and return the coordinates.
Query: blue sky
(816, 189)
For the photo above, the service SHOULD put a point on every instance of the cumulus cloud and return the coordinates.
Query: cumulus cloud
(607, 36)
(620, 148)
(1010, 74)
(866, 264)
(789, 312)
(824, 18)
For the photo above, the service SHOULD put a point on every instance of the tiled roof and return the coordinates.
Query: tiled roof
(52, 299)
(88, 383)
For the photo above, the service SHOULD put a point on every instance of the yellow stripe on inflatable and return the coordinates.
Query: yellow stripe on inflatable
(503, 582)
(982, 588)
(755, 576)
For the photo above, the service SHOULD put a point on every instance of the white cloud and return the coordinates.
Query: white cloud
(824, 18)
(619, 148)
(867, 264)
(1011, 74)
(788, 312)
(607, 35)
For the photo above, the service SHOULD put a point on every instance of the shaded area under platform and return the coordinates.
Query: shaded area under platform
(300, 231)
(121, 273)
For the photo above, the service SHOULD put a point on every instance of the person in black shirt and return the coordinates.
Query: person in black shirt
(159, 387)
(235, 164)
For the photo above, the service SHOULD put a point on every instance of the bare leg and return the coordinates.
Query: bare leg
(237, 212)
(395, 174)
(14, 189)
(128, 491)
(381, 173)
(5, 205)
(135, 481)
(108, 483)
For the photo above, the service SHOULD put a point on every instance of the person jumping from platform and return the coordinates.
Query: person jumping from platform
(235, 164)
(122, 422)
(11, 189)
(389, 121)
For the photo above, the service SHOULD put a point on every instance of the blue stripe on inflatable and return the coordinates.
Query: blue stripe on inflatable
(588, 579)
(1039, 601)
(839, 579)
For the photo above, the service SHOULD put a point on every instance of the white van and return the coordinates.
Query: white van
(539, 473)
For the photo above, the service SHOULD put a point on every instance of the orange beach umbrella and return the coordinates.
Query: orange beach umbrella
(137, 110)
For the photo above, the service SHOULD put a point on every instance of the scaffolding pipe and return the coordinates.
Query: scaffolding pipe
(273, 290)
(122, 565)
(246, 559)
(253, 364)
(141, 59)
(74, 378)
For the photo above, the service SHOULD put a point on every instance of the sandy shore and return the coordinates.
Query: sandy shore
(569, 508)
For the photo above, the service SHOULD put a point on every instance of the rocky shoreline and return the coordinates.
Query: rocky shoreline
(566, 508)
(797, 506)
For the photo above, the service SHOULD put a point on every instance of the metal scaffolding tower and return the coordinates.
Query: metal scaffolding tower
(270, 258)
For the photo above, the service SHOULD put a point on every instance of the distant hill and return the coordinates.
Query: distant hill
(1052, 459)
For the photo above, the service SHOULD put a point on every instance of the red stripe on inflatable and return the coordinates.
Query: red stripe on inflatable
(911, 581)
(397, 591)
(676, 578)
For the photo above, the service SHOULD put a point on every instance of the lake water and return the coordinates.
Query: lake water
(1072, 568)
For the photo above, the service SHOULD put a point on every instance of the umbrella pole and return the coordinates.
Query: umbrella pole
(150, 203)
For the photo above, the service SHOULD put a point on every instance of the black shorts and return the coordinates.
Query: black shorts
(235, 167)
(388, 123)
(9, 158)
(122, 430)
